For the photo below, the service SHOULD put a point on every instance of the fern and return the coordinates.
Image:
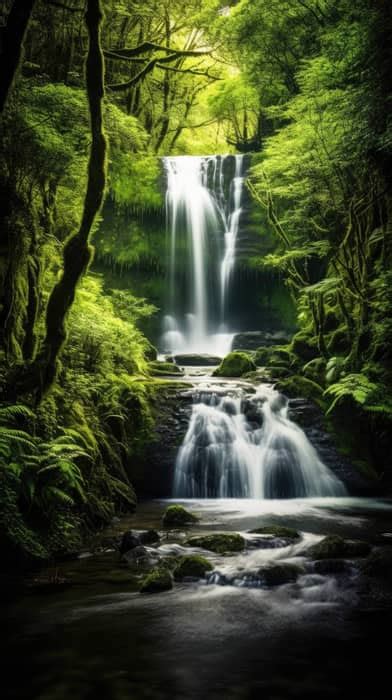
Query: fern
(356, 386)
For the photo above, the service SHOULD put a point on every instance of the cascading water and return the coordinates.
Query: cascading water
(203, 208)
(247, 447)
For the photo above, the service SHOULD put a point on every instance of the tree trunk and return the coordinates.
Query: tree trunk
(77, 250)
(12, 45)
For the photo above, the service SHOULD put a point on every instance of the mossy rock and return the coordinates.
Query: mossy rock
(157, 581)
(158, 368)
(279, 574)
(261, 356)
(304, 346)
(279, 371)
(297, 386)
(149, 537)
(277, 531)
(193, 566)
(235, 364)
(334, 547)
(378, 564)
(315, 370)
(176, 515)
(219, 542)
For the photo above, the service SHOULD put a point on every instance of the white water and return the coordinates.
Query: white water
(203, 221)
(225, 455)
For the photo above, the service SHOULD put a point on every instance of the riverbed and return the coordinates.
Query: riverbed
(225, 636)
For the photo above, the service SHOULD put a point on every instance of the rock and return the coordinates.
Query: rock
(149, 537)
(219, 542)
(304, 346)
(178, 515)
(252, 340)
(193, 566)
(158, 580)
(135, 555)
(333, 547)
(235, 364)
(278, 574)
(330, 566)
(197, 360)
(158, 368)
(379, 563)
(129, 541)
(300, 386)
(277, 531)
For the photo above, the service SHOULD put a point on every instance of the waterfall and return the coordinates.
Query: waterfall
(247, 447)
(203, 208)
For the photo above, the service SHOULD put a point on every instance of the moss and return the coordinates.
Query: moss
(158, 368)
(277, 531)
(279, 371)
(219, 542)
(315, 370)
(176, 515)
(157, 581)
(301, 386)
(261, 356)
(235, 364)
(333, 547)
(193, 566)
(304, 346)
(279, 574)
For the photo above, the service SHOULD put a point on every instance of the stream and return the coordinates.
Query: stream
(231, 634)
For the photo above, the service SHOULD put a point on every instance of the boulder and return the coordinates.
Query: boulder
(330, 566)
(202, 360)
(129, 541)
(277, 531)
(251, 340)
(192, 566)
(333, 547)
(219, 542)
(235, 364)
(156, 581)
(176, 515)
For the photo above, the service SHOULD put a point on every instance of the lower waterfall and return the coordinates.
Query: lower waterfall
(241, 446)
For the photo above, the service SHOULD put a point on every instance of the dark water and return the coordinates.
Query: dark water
(322, 637)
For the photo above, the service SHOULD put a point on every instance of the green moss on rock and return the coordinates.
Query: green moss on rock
(177, 515)
(300, 386)
(277, 531)
(235, 364)
(158, 368)
(156, 581)
(304, 346)
(219, 542)
(334, 546)
(193, 565)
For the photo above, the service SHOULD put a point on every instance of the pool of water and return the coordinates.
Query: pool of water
(321, 636)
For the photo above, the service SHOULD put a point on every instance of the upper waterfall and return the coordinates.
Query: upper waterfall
(203, 209)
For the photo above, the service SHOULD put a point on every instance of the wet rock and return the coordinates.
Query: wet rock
(333, 547)
(201, 360)
(136, 555)
(252, 340)
(218, 542)
(330, 566)
(193, 566)
(157, 581)
(277, 531)
(149, 537)
(279, 574)
(235, 364)
(129, 541)
(177, 515)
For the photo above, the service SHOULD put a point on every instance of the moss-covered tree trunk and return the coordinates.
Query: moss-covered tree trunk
(77, 250)
(11, 48)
